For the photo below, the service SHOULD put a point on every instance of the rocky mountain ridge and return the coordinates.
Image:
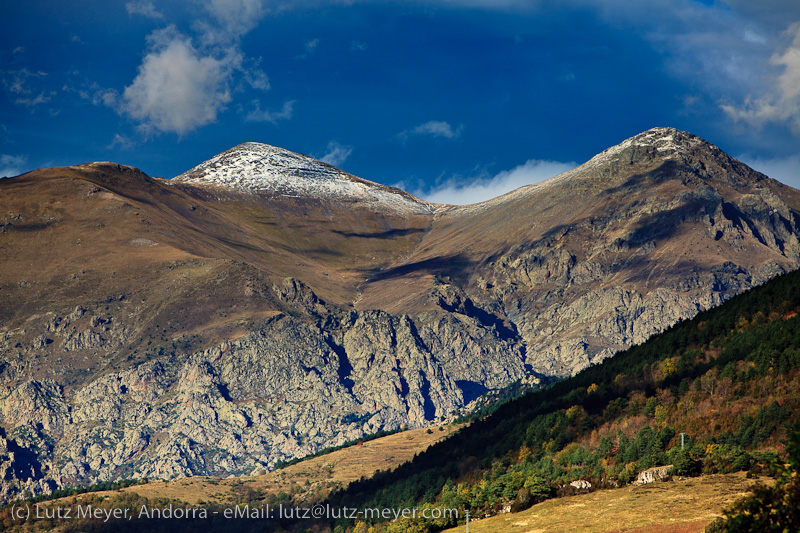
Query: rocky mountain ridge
(263, 306)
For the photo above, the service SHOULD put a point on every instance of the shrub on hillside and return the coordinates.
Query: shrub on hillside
(769, 508)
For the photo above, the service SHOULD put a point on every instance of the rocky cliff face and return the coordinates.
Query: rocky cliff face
(218, 326)
(310, 377)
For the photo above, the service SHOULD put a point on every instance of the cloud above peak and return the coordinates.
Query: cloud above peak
(178, 88)
(462, 192)
(185, 82)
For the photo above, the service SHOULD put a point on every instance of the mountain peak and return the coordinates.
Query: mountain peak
(658, 145)
(256, 166)
(657, 142)
(263, 169)
(641, 153)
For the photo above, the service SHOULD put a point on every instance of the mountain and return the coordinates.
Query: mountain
(264, 305)
(716, 394)
(644, 234)
(713, 395)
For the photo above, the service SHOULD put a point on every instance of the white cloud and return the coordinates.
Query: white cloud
(185, 82)
(481, 189)
(781, 103)
(232, 20)
(266, 115)
(178, 89)
(12, 165)
(438, 128)
(144, 8)
(784, 169)
(336, 154)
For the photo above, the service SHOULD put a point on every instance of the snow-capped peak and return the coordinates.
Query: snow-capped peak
(261, 168)
(666, 141)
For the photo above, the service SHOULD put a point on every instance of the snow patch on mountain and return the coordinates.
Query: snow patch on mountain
(263, 169)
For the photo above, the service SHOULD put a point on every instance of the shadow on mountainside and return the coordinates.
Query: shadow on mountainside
(454, 266)
(388, 234)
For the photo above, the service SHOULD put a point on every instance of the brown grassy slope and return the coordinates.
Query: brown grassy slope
(679, 506)
(167, 262)
(107, 205)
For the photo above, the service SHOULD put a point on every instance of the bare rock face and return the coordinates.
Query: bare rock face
(651, 475)
(291, 387)
(247, 314)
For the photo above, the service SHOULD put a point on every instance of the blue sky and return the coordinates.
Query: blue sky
(454, 100)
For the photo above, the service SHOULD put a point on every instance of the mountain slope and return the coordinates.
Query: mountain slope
(589, 262)
(263, 305)
(724, 384)
(727, 380)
